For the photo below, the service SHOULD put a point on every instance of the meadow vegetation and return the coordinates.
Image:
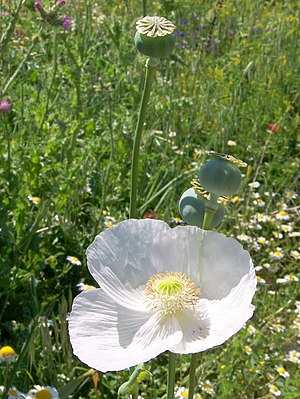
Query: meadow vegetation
(232, 86)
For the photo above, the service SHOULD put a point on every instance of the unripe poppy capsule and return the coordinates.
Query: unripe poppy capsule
(154, 37)
(220, 177)
(192, 209)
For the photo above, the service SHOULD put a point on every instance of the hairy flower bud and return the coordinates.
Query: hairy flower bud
(192, 209)
(154, 37)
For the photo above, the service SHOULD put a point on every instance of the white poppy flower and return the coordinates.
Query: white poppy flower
(180, 289)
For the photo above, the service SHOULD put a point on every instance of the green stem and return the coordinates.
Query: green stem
(144, 7)
(10, 80)
(192, 379)
(151, 65)
(51, 85)
(8, 138)
(171, 376)
(6, 37)
(208, 218)
(135, 393)
(211, 208)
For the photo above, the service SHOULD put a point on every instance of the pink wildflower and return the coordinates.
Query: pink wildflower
(38, 5)
(5, 106)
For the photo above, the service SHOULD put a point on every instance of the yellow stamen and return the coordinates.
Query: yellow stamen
(170, 292)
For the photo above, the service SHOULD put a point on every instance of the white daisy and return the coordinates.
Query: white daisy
(7, 354)
(261, 280)
(248, 350)
(40, 392)
(295, 254)
(254, 184)
(109, 221)
(183, 289)
(207, 387)
(287, 228)
(282, 371)
(291, 194)
(231, 143)
(294, 234)
(251, 330)
(293, 357)
(13, 393)
(272, 267)
(261, 217)
(259, 202)
(73, 260)
(44, 322)
(274, 390)
(287, 279)
(262, 240)
(35, 200)
(282, 215)
(182, 393)
(82, 287)
(278, 254)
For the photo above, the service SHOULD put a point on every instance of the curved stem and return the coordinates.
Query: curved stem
(151, 65)
(192, 375)
(171, 376)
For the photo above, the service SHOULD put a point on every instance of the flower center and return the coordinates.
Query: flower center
(43, 394)
(170, 292)
(7, 351)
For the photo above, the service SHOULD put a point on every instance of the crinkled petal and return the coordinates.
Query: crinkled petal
(215, 321)
(119, 259)
(223, 263)
(109, 337)
(124, 257)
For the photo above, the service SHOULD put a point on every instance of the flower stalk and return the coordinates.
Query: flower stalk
(171, 376)
(192, 375)
(151, 66)
(211, 208)
(144, 2)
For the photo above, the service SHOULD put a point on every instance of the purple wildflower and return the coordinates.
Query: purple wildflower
(183, 21)
(66, 23)
(61, 3)
(38, 5)
(5, 106)
(177, 32)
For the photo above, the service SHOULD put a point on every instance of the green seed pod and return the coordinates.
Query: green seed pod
(220, 177)
(154, 37)
(192, 209)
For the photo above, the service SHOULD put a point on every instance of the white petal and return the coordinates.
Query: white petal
(119, 258)
(109, 337)
(213, 322)
(129, 253)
